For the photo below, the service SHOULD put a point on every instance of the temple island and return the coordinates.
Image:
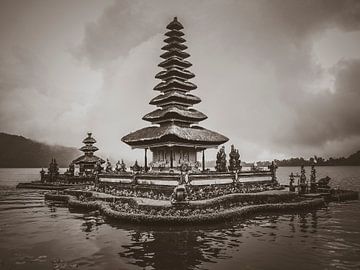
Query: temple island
(175, 186)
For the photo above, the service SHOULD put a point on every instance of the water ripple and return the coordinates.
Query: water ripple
(39, 235)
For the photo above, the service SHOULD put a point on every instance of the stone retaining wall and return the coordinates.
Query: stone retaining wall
(344, 195)
(226, 214)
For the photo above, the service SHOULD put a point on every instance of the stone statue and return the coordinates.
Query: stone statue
(234, 160)
(196, 167)
(134, 181)
(273, 167)
(136, 168)
(42, 175)
(302, 181)
(254, 167)
(98, 168)
(184, 167)
(184, 178)
(313, 179)
(221, 160)
(302, 175)
(71, 169)
(108, 166)
(238, 161)
(323, 183)
(123, 166)
(291, 183)
(236, 177)
(120, 166)
(179, 195)
(117, 166)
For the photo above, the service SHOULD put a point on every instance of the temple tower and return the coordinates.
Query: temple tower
(87, 161)
(174, 138)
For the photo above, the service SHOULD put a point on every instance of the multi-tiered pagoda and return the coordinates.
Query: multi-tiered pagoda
(88, 161)
(173, 138)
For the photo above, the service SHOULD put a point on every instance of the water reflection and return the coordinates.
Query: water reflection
(191, 247)
(322, 239)
(183, 248)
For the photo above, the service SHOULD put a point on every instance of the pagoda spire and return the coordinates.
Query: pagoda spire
(89, 148)
(174, 128)
(175, 99)
(88, 160)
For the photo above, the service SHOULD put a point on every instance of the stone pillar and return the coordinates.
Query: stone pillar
(171, 159)
(145, 162)
(42, 175)
(203, 160)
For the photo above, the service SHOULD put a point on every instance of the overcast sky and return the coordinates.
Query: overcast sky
(279, 78)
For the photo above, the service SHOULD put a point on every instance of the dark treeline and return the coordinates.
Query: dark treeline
(19, 152)
(352, 160)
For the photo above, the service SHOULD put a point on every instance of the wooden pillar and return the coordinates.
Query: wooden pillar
(171, 159)
(146, 167)
(203, 160)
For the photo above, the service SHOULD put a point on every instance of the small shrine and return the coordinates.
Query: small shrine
(174, 138)
(88, 161)
(53, 172)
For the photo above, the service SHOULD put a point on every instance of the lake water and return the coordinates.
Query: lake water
(35, 234)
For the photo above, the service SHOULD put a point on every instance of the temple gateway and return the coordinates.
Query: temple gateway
(174, 138)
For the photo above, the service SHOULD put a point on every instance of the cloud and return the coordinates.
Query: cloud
(326, 116)
(44, 91)
(122, 27)
(257, 55)
(258, 74)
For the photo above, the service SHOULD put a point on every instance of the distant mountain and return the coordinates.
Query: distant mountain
(19, 152)
(352, 160)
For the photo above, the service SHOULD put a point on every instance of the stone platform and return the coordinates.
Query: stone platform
(196, 215)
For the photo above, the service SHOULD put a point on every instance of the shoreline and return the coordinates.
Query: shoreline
(279, 166)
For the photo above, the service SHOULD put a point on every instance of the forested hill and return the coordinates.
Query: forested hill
(19, 152)
(352, 160)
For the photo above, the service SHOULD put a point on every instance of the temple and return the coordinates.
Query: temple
(174, 138)
(88, 160)
(175, 191)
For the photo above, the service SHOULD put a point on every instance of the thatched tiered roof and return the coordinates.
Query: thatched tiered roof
(174, 135)
(88, 149)
(174, 97)
(174, 73)
(173, 62)
(174, 114)
(89, 140)
(88, 159)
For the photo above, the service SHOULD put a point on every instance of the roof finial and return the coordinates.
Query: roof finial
(175, 19)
